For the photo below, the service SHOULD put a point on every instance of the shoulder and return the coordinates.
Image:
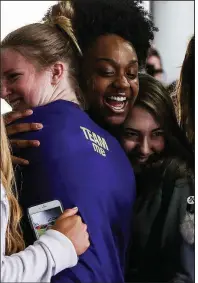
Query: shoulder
(179, 176)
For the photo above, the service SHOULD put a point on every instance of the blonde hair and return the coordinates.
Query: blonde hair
(62, 14)
(14, 239)
(46, 43)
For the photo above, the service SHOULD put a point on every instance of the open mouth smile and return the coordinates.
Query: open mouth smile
(116, 103)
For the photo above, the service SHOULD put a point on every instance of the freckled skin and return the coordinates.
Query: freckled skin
(110, 67)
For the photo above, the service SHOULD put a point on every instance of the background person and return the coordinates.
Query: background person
(154, 64)
(186, 92)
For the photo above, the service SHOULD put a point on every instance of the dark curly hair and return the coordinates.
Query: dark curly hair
(125, 18)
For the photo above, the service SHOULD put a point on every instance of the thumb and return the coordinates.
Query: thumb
(69, 212)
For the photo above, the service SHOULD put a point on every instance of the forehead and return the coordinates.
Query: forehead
(140, 119)
(11, 59)
(113, 47)
(153, 60)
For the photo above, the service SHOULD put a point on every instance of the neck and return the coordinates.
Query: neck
(64, 94)
(64, 91)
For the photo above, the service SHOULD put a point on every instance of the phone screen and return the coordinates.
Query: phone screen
(43, 220)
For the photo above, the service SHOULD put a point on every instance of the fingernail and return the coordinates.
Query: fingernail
(75, 208)
(29, 112)
(36, 143)
(39, 126)
(26, 162)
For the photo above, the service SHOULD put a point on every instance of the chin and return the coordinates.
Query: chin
(138, 166)
(115, 120)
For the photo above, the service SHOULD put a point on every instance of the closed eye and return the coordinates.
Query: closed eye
(131, 76)
(106, 73)
(13, 76)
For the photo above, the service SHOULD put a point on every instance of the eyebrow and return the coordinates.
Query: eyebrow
(11, 71)
(132, 62)
(137, 131)
(132, 130)
(157, 129)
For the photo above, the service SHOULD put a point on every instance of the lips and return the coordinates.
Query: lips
(142, 159)
(116, 103)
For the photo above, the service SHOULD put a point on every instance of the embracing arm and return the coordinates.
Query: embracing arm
(13, 129)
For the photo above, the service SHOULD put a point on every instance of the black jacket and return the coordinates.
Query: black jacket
(155, 253)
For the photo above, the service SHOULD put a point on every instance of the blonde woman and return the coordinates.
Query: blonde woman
(56, 250)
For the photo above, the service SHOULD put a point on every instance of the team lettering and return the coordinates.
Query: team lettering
(99, 143)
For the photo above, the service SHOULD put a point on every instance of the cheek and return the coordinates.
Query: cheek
(135, 87)
(159, 145)
(31, 93)
(128, 145)
(96, 87)
(24, 86)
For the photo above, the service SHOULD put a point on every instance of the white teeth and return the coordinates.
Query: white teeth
(117, 98)
(120, 107)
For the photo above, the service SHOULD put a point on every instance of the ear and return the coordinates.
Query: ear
(57, 72)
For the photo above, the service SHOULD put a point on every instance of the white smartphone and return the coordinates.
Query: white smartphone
(44, 215)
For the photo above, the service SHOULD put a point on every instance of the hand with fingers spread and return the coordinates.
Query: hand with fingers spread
(19, 128)
(72, 227)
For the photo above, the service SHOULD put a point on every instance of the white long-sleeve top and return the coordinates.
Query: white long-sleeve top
(49, 255)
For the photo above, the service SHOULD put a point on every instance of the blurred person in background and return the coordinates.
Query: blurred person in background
(154, 64)
(171, 89)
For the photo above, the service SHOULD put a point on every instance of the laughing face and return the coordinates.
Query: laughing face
(111, 74)
(21, 84)
(142, 137)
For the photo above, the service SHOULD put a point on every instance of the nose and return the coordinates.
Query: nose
(145, 148)
(121, 82)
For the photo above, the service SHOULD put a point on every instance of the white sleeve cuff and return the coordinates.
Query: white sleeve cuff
(62, 250)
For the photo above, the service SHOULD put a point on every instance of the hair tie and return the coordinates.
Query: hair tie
(65, 24)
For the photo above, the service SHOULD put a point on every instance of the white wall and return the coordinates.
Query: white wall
(15, 14)
(175, 20)
(147, 5)
(5, 107)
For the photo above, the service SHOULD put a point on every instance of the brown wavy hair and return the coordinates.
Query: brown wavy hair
(14, 238)
(186, 92)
